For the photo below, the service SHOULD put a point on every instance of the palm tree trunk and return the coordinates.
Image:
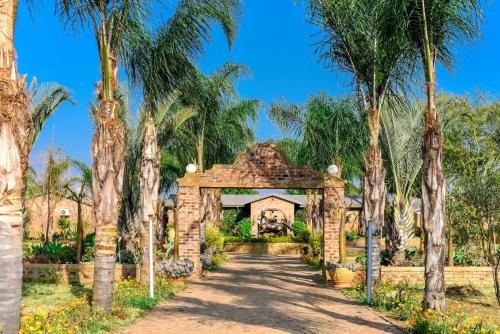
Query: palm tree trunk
(11, 227)
(401, 228)
(79, 231)
(48, 230)
(149, 181)
(342, 241)
(14, 128)
(107, 181)
(374, 191)
(308, 209)
(433, 192)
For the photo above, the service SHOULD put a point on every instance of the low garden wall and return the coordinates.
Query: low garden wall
(452, 275)
(264, 248)
(73, 273)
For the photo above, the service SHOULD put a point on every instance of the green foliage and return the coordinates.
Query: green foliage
(88, 254)
(316, 244)
(312, 261)
(468, 258)
(217, 261)
(259, 240)
(351, 236)
(229, 221)
(400, 300)
(322, 130)
(131, 293)
(51, 252)
(298, 226)
(239, 191)
(89, 240)
(300, 215)
(432, 322)
(244, 228)
(214, 238)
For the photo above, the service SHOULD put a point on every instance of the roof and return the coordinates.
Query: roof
(238, 201)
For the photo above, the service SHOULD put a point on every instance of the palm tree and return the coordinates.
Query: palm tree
(219, 131)
(401, 146)
(355, 40)
(433, 28)
(161, 71)
(24, 112)
(79, 189)
(52, 185)
(322, 131)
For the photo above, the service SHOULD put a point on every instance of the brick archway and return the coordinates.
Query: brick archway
(261, 166)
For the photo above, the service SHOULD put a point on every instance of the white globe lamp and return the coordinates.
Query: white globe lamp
(332, 169)
(191, 168)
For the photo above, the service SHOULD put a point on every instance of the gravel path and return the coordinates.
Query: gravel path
(261, 294)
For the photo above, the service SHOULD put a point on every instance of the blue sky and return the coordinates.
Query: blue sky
(274, 40)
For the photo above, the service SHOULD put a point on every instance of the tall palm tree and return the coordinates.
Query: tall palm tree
(355, 40)
(79, 189)
(322, 131)
(401, 146)
(161, 71)
(53, 185)
(433, 28)
(220, 129)
(24, 111)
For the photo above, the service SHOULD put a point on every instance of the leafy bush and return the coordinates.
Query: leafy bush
(312, 261)
(462, 257)
(244, 228)
(351, 236)
(260, 240)
(88, 255)
(361, 259)
(300, 215)
(316, 243)
(127, 257)
(51, 252)
(130, 297)
(298, 226)
(214, 239)
(229, 221)
(89, 240)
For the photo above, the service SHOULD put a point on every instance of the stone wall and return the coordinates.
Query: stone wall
(452, 275)
(264, 248)
(74, 273)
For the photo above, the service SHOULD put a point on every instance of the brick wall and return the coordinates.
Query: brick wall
(75, 273)
(452, 275)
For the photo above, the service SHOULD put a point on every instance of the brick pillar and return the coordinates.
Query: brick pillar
(333, 205)
(188, 218)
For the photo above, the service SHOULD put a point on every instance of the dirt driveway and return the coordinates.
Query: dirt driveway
(261, 294)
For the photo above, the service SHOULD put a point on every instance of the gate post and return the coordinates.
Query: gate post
(333, 205)
(188, 220)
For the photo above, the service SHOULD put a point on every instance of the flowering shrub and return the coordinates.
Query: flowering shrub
(130, 297)
(435, 322)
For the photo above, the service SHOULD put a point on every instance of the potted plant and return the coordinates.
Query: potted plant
(342, 274)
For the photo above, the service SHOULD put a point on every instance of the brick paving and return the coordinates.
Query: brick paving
(261, 294)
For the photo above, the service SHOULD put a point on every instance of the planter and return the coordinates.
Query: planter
(341, 277)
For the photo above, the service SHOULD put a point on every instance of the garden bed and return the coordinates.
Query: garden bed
(264, 248)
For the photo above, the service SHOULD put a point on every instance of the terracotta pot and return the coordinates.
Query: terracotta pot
(342, 277)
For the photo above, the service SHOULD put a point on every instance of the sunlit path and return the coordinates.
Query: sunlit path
(261, 294)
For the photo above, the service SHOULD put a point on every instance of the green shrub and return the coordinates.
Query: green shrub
(244, 228)
(51, 252)
(229, 221)
(462, 257)
(89, 240)
(260, 240)
(351, 236)
(88, 255)
(304, 236)
(316, 243)
(214, 238)
(300, 215)
(298, 226)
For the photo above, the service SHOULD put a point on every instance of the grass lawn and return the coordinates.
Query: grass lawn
(470, 309)
(64, 308)
(50, 296)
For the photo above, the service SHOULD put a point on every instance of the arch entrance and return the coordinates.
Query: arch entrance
(261, 166)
